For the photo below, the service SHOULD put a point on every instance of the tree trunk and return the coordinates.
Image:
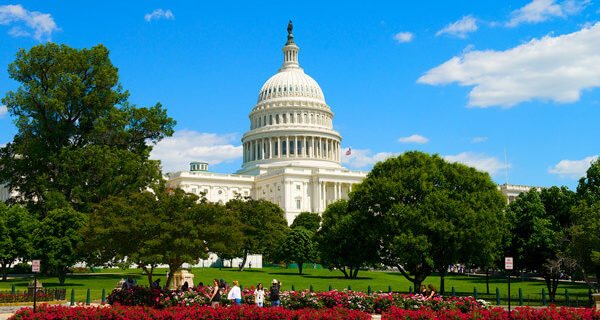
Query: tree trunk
(487, 280)
(148, 273)
(245, 259)
(4, 269)
(62, 276)
(552, 286)
(172, 269)
(442, 282)
(343, 270)
(355, 273)
(300, 263)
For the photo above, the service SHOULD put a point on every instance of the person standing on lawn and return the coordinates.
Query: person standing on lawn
(215, 297)
(235, 294)
(259, 295)
(274, 293)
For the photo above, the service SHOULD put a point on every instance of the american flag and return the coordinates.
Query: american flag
(349, 151)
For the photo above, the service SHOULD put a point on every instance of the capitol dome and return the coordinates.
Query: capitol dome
(291, 124)
(292, 82)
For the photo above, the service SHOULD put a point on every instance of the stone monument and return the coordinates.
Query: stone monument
(180, 277)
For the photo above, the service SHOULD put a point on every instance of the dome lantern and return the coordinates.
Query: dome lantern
(290, 51)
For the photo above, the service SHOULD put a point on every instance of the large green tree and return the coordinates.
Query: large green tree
(298, 247)
(584, 246)
(428, 213)
(57, 241)
(263, 224)
(538, 233)
(16, 233)
(165, 226)
(344, 242)
(77, 133)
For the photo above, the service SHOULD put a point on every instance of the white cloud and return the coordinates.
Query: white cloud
(185, 146)
(404, 36)
(479, 139)
(461, 27)
(478, 161)
(415, 138)
(3, 111)
(573, 169)
(542, 10)
(40, 24)
(159, 14)
(551, 68)
(360, 158)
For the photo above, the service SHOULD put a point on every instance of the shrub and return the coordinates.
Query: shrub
(119, 312)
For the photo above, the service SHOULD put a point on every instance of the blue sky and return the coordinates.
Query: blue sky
(464, 79)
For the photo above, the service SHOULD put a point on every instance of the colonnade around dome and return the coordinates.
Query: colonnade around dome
(296, 146)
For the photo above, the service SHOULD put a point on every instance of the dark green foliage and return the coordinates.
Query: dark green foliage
(151, 228)
(57, 240)
(307, 220)
(344, 243)
(538, 240)
(426, 214)
(16, 232)
(77, 134)
(263, 225)
(589, 186)
(298, 247)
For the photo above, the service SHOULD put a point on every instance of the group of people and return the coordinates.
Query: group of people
(234, 293)
(428, 294)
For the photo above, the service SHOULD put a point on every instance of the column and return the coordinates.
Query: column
(278, 147)
(287, 146)
(304, 147)
(326, 148)
(270, 148)
(296, 149)
(350, 188)
(335, 191)
(340, 190)
(254, 146)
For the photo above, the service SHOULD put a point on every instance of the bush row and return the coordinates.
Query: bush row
(246, 312)
(376, 302)
(524, 313)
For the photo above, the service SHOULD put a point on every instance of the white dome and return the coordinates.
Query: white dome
(292, 82)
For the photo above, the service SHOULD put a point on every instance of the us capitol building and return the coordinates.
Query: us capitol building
(292, 155)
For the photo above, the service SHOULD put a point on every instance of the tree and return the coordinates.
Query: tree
(343, 242)
(309, 221)
(57, 240)
(538, 222)
(585, 241)
(427, 213)
(77, 134)
(16, 231)
(298, 247)
(264, 226)
(584, 246)
(165, 226)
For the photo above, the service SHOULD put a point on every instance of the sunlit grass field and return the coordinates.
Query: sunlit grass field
(319, 279)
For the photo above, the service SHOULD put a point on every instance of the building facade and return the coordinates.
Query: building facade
(291, 154)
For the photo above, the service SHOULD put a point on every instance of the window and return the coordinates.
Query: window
(194, 190)
(220, 192)
(298, 204)
(297, 187)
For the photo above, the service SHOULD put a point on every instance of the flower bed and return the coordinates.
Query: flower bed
(524, 313)
(46, 294)
(376, 302)
(118, 312)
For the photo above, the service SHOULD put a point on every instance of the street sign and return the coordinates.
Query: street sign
(508, 263)
(35, 266)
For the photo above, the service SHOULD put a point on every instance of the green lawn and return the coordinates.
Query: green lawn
(320, 280)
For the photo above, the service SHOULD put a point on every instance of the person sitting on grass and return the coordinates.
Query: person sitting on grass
(423, 291)
(432, 291)
(185, 286)
(156, 284)
(235, 294)
(274, 293)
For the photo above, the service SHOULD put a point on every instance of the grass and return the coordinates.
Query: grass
(320, 279)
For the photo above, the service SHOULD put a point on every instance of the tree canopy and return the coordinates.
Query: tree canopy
(307, 220)
(165, 226)
(427, 213)
(263, 225)
(16, 233)
(77, 133)
(298, 247)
